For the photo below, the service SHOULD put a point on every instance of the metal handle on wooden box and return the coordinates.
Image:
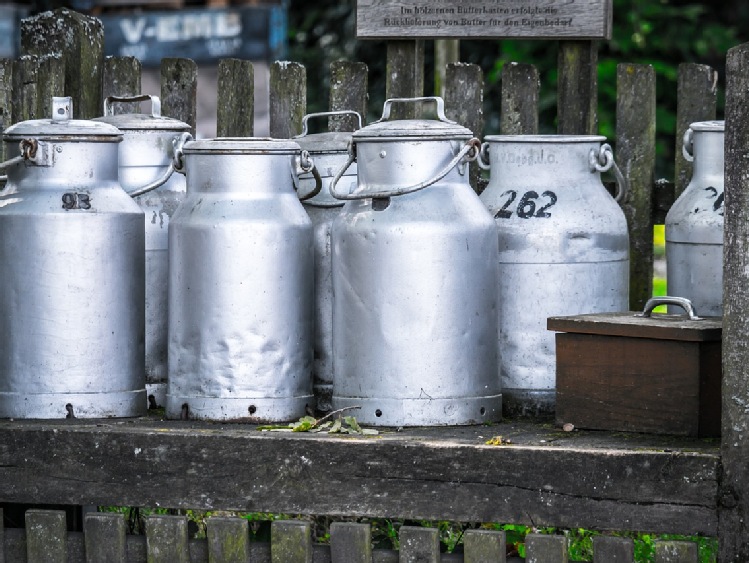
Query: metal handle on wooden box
(682, 302)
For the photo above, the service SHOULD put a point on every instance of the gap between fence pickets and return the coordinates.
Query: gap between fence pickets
(46, 540)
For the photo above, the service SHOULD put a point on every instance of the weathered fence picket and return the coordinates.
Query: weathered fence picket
(404, 75)
(348, 91)
(519, 99)
(613, 550)
(105, 537)
(577, 105)
(121, 77)
(46, 536)
(179, 90)
(351, 542)
(697, 93)
(288, 104)
(635, 155)
(235, 110)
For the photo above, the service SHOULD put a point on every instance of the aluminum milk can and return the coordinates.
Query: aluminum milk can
(694, 224)
(240, 285)
(146, 173)
(71, 245)
(329, 151)
(414, 290)
(563, 250)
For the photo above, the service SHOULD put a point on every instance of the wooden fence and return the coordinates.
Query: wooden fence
(104, 539)
(544, 478)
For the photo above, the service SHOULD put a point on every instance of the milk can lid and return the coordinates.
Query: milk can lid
(712, 126)
(242, 145)
(330, 141)
(62, 126)
(140, 121)
(440, 128)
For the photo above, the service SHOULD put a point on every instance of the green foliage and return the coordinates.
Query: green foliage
(340, 425)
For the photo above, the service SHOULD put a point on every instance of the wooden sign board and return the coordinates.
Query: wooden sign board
(483, 19)
(204, 35)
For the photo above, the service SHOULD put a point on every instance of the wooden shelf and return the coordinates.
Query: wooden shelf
(545, 477)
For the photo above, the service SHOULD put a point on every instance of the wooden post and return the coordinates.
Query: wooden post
(167, 539)
(236, 99)
(404, 75)
(291, 541)
(79, 39)
(610, 549)
(733, 497)
(542, 548)
(105, 537)
(635, 155)
(122, 78)
(288, 99)
(348, 91)
(179, 89)
(464, 100)
(228, 539)
(36, 79)
(419, 545)
(696, 100)
(46, 536)
(577, 96)
(676, 552)
(519, 99)
(484, 546)
(351, 542)
(50, 83)
(446, 52)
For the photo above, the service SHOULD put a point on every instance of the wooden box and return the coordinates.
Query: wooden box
(658, 374)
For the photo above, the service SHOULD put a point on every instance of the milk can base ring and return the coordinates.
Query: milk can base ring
(80, 405)
(454, 411)
(520, 403)
(246, 409)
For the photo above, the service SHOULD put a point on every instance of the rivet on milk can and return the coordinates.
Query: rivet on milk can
(71, 245)
(147, 163)
(329, 151)
(241, 284)
(694, 224)
(414, 279)
(563, 250)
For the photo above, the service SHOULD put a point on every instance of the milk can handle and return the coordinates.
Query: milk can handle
(327, 114)
(176, 165)
(306, 164)
(436, 99)
(483, 157)
(155, 103)
(602, 161)
(682, 302)
(28, 148)
(687, 145)
(471, 145)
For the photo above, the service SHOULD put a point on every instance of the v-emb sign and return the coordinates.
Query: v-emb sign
(484, 19)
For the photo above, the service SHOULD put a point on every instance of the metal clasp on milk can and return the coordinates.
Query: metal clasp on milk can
(149, 155)
(694, 224)
(329, 151)
(240, 285)
(563, 250)
(71, 309)
(414, 299)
